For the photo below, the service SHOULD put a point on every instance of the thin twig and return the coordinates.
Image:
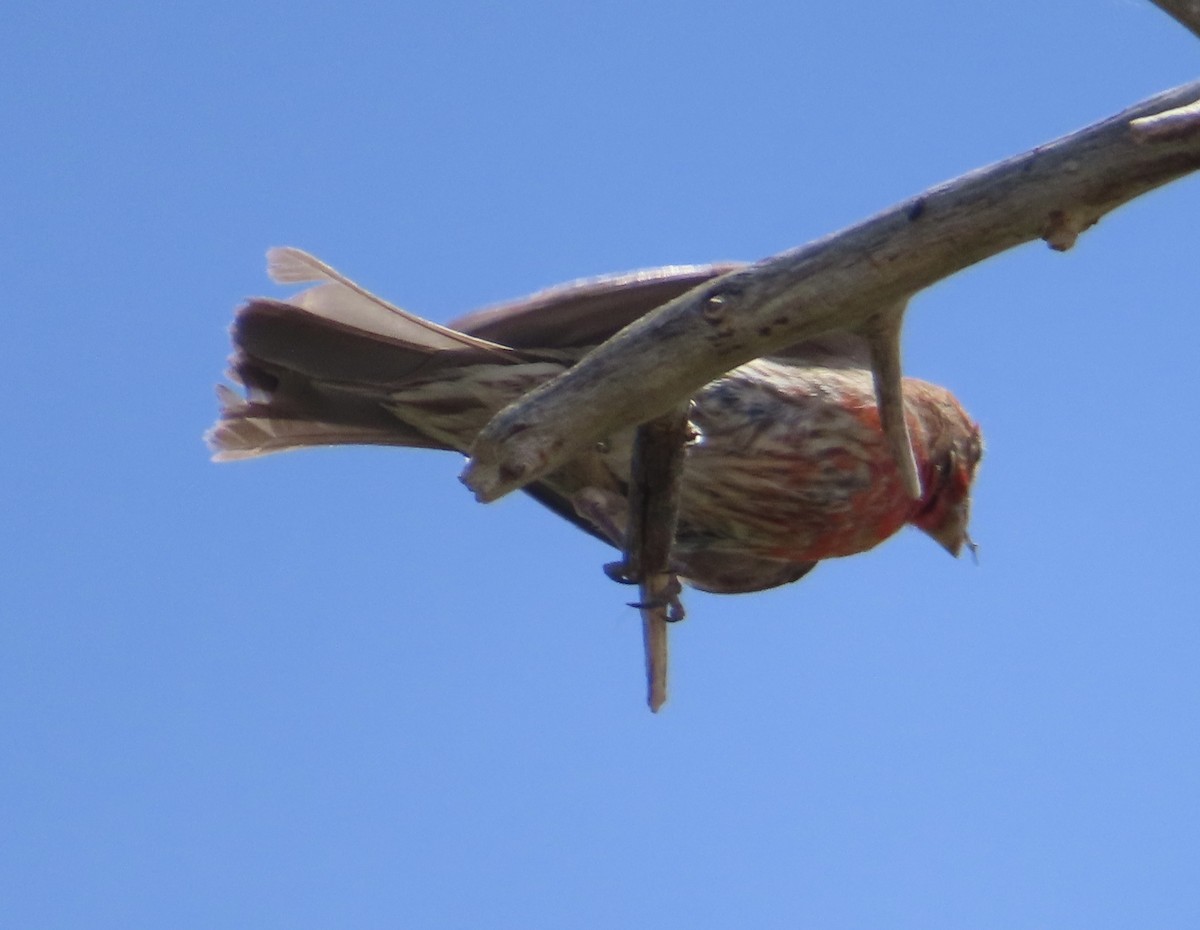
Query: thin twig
(883, 339)
(655, 472)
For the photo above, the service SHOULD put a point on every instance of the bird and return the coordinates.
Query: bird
(786, 462)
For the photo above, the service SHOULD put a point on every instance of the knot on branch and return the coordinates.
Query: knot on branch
(1064, 226)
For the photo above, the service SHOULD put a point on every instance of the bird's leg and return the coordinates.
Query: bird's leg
(608, 512)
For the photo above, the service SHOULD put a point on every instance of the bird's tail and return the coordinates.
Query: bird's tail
(326, 366)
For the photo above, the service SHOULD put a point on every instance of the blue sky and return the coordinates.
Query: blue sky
(328, 689)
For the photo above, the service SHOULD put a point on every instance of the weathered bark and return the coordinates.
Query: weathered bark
(844, 281)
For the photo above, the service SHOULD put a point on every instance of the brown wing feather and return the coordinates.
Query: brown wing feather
(585, 313)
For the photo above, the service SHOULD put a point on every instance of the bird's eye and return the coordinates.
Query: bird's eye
(945, 467)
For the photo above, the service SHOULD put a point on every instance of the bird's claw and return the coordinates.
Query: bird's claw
(673, 605)
(667, 599)
(619, 572)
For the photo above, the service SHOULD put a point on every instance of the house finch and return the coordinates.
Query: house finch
(787, 464)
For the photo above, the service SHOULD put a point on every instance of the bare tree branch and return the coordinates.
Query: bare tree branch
(1186, 12)
(843, 281)
(1170, 124)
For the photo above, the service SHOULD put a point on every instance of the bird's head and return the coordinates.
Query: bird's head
(954, 451)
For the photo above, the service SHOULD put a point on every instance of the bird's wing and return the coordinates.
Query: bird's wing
(586, 312)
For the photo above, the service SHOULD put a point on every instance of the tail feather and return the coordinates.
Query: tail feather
(284, 411)
(339, 299)
(253, 430)
(327, 366)
(285, 335)
(318, 368)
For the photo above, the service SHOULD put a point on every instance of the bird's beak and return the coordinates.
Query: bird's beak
(951, 532)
